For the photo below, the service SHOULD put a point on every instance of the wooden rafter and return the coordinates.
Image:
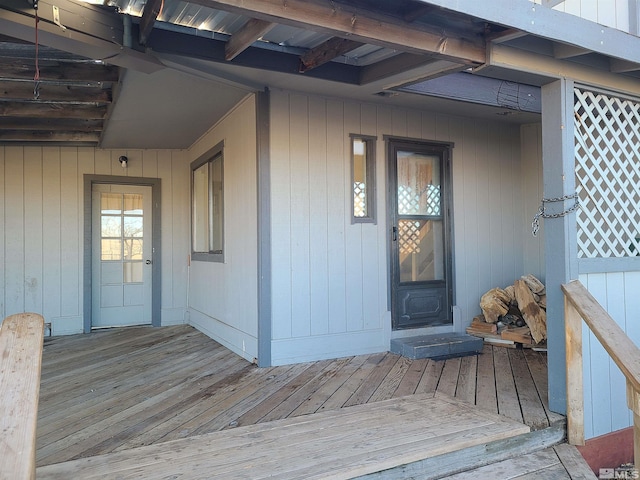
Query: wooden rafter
(16, 90)
(356, 24)
(152, 9)
(243, 38)
(73, 72)
(326, 51)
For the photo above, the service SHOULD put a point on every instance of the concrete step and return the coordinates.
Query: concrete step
(447, 345)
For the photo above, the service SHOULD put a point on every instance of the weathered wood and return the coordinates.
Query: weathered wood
(535, 285)
(245, 36)
(533, 412)
(508, 404)
(327, 51)
(479, 324)
(54, 93)
(494, 304)
(573, 462)
(21, 351)
(538, 369)
(59, 71)
(466, 388)
(449, 377)
(51, 110)
(23, 136)
(51, 124)
(486, 381)
(517, 334)
(152, 9)
(533, 315)
(431, 427)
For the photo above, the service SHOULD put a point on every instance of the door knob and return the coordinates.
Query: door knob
(148, 262)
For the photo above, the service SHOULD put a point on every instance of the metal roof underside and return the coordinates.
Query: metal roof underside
(158, 74)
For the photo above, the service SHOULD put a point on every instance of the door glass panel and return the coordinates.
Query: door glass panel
(132, 272)
(421, 250)
(111, 226)
(132, 204)
(418, 184)
(133, 249)
(111, 249)
(133, 226)
(111, 203)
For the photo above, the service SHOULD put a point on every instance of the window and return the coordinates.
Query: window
(207, 206)
(363, 179)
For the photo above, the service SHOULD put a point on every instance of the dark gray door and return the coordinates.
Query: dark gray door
(420, 239)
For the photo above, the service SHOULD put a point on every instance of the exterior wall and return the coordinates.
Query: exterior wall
(223, 297)
(41, 228)
(532, 193)
(605, 400)
(330, 277)
(610, 13)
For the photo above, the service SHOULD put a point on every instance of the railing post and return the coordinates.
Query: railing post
(575, 393)
(633, 402)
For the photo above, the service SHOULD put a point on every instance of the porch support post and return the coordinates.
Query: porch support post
(560, 245)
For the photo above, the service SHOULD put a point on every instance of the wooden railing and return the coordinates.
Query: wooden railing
(580, 305)
(21, 338)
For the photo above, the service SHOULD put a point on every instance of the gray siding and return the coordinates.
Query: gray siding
(330, 276)
(223, 297)
(41, 228)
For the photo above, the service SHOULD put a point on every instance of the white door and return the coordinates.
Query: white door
(121, 255)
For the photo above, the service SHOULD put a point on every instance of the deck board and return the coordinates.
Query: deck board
(367, 436)
(169, 383)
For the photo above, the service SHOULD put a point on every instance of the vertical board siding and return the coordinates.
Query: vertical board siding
(532, 192)
(223, 297)
(324, 265)
(610, 13)
(604, 384)
(41, 236)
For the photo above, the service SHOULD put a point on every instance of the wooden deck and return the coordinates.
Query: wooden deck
(119, 389)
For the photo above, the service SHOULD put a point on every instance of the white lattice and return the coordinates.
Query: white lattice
(425, 202)
(359, 199)
(607, 151)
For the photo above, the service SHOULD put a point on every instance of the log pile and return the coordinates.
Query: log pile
(515, 314)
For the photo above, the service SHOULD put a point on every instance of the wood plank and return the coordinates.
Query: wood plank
(21, 349)
(536, 361)
(412, 378)
(486, 382)
(372, 382)
(505, 386)
(390, 383)
(449, 378)
(576, 299)
(511, 468)
(466, 389)
(573, 462)
(530, 404)
(245, 36)
(431, 378)
(436, 426)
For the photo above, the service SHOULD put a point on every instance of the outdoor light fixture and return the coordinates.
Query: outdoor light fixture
(123, 161)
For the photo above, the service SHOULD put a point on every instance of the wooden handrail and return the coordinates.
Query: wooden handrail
(580, 305)
(21, 338)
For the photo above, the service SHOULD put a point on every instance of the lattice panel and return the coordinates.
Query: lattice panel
(607, 150)
(359, 199)
(409, 236)
(426, 202)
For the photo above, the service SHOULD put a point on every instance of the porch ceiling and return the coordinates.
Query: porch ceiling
(187, 62)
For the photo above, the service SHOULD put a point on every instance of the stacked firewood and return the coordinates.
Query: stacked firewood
(517, 312)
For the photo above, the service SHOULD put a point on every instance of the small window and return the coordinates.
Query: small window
(363, 179)
(207, 207)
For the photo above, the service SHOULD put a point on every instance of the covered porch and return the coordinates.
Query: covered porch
(120, 389)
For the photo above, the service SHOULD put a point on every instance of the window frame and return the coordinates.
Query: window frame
(370, 177)
(209, 158)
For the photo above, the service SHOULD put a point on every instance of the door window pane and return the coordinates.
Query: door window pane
(421, 250)
(418, 184)
(363, 175)
(133, 226)
(201, 208)
(133, 249)
(111, 249)
(111, 226)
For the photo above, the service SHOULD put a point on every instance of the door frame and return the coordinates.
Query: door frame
(394, 143)
(156, 280)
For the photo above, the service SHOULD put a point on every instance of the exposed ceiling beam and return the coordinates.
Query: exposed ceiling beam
(149, 15)
(416, 12)
(15, 90)
(562, 51)
(51, 110)
(92, 39)
(51, 124)
(392, 66)
(361, 25)
(622, 66)
(10, 136)
(246, 36)
(72, 72)
(327, 51)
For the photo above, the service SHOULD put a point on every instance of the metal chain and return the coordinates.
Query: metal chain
(535, 225)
